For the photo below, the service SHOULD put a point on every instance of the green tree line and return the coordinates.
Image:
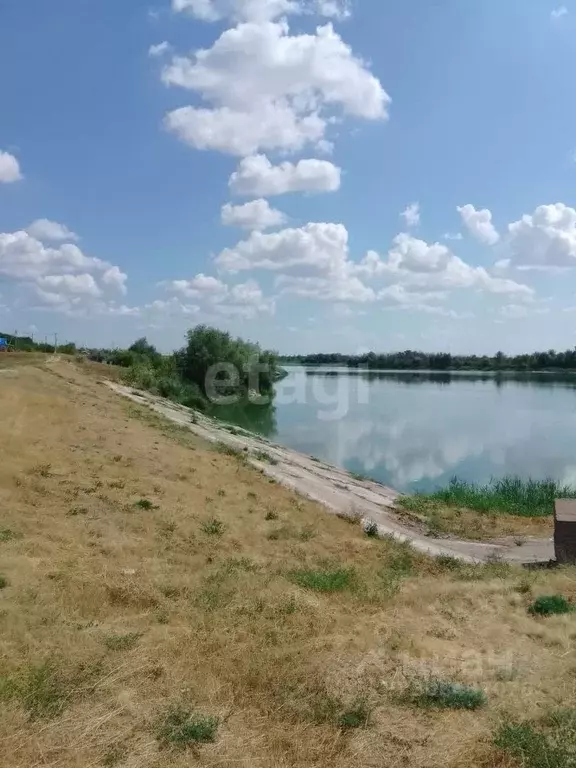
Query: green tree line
(442, 361)
(210, 366)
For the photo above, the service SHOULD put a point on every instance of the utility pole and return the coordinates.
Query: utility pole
(55, 342)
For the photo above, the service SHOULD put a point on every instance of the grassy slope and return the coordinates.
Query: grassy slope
(113, 611)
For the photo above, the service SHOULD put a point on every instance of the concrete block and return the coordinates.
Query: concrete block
(565, 531)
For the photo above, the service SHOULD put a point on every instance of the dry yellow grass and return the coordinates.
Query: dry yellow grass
(113, 612)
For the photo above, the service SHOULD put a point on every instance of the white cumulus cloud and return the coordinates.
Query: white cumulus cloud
(155, 51)
(419, 265)
(545, 238)
(268, 89)
(9, 168)
(60, 277)
(479, 224)
(411, 215)
(115, 278)
(316, 248)
(199, 287)
(237, 10)
(50, 231)
(256, 176)
(335, 287)
(236, 132)
(257, 214)
(311, 261)
(259, 10)
(336, 9)
(214, 297)
(400, 295)
(75, 285)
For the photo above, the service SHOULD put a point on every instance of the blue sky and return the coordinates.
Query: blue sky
(120, 215)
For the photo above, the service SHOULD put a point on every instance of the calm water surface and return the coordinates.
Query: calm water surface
(416, 431)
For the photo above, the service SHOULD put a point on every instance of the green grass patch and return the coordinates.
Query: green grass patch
(183, 728)
(229, 450)
(362, 477)
(213, 527)
(443, 694)
(336, 580)
(282, 533)
(307, 533)
(114, 756)
(144, 504)
(8, 535)
(43, 691)
(547, 743)
(357, 716)
(549, 605)
(326, 709)
(507, 496)
(265, 457)
(122, 642)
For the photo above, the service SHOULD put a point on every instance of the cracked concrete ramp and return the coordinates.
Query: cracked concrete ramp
(338, 491)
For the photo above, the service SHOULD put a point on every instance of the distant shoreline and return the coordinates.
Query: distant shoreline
(327, 369)
(414, 360)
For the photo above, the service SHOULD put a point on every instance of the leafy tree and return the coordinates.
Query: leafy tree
(143, 347)
(214, 359)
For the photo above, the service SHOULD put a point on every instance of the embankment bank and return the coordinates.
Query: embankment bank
(163, 604)
(337, 490)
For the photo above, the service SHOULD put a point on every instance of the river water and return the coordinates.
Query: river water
(415, 431)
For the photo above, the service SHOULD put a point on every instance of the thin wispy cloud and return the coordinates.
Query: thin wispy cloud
(559, 12)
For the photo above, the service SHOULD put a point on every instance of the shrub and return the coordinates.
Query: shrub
(182, 728)
(448, 563)
(357, 716)
(265, 457)
(307, 533)
(144, 504)
(3, 582)
(7, 535)
(192, 397)
(547, 605)
(370, 528)
(446, 695)
(213, 527)
(229, 450)
(335, 580)
(44, 470)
